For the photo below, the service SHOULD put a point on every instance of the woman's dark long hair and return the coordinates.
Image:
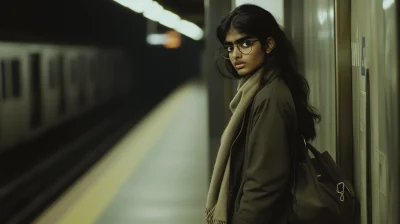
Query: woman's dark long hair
(258, 22)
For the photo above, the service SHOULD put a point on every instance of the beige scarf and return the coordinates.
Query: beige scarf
(217, 199)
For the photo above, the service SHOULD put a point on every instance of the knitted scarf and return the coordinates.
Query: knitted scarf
(217, 199)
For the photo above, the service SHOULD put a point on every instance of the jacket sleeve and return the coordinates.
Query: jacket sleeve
(268, 163)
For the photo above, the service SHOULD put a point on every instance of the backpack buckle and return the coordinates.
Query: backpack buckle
(340, 187)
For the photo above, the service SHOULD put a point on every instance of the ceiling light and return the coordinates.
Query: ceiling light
(135, 5)
(169, 19)
(153, 11)
(387, 4)
(190, 29)
(156, 39)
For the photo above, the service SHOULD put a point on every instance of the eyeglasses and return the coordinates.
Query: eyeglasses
(244, 47)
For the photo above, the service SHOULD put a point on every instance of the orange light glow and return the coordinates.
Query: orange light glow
(173, 39)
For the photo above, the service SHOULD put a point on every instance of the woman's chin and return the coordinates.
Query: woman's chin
(247, 71)
(242, 72)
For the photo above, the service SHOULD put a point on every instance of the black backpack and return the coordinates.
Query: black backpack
(321, 193)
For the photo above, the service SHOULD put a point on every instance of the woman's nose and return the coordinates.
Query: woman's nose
(236, 53)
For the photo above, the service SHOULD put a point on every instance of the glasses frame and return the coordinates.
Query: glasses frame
(236, 44)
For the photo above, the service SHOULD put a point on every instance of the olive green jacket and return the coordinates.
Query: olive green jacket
(260, 186)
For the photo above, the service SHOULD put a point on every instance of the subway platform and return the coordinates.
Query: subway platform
(157, 173)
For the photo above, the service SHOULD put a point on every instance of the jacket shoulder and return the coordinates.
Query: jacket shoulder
(275, 91)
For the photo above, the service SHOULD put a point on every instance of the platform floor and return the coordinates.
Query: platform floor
(156, 174)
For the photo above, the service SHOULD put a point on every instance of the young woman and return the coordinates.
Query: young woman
(252, 178)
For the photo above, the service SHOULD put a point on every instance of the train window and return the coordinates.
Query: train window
(52, 71)
(36, 93)
(81, 69)
(82, 80)
(16, 78)
(62, 106)
(3, 79)
(92, 70)
(100, 76)
(72, 70)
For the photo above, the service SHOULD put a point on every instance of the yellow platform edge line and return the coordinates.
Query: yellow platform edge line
(89, 196)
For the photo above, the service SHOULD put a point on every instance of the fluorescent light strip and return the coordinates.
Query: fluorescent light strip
(169, 19)
(189, 29)
(386, 4)
(156, 39)
(154, 11)
(137, 6)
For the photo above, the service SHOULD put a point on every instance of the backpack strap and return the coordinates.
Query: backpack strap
(302, 147)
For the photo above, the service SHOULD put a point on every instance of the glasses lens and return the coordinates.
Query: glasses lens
(245, 50)
(225, 53)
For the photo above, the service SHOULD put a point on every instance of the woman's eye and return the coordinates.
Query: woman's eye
(246, 43)
(229, 48)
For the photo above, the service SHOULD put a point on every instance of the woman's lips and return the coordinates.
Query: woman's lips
(239, 66)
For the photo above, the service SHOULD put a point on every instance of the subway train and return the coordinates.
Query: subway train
(44, 85)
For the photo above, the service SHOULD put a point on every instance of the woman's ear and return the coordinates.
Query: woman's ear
(270, 45)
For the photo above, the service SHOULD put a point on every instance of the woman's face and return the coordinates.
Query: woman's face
(245, 52)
